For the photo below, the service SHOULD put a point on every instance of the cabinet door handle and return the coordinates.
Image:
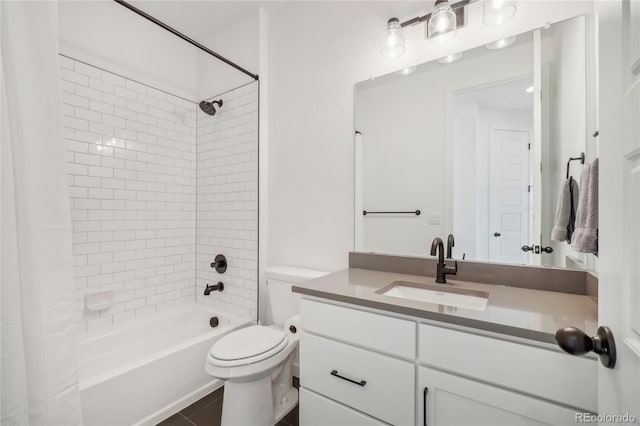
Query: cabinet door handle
(360, 383)
(424, 408)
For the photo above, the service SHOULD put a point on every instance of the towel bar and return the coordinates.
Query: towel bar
(416, 212)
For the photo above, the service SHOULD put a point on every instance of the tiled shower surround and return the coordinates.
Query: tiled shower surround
(132, 168)
(227, 201)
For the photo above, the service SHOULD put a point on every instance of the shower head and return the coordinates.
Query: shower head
(209, 108)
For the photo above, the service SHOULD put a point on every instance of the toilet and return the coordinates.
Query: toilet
(256, 362)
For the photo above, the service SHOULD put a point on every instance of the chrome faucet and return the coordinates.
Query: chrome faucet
(442, 270)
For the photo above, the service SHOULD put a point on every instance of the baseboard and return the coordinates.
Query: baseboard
(171, 409)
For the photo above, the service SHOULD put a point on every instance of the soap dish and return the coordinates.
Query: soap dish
(99, 301)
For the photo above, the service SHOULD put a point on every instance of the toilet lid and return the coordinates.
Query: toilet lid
(249, 342)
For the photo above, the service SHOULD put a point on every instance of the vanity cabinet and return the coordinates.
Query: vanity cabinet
(359, 366)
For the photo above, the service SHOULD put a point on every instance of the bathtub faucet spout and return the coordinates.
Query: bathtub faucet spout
(215, 287)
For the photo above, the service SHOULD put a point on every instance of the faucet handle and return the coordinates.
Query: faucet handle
(452, 271)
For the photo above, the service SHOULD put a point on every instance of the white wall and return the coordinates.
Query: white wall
(237, 41)
(111, 37)
(317, 52)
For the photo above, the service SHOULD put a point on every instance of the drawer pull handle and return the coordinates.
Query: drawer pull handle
(424, 412)
(360, 383)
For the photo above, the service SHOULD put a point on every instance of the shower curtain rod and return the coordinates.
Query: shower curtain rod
(185, 38)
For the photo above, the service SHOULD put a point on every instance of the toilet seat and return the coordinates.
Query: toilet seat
(247, 346)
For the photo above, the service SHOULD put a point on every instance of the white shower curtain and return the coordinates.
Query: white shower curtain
(37, 346)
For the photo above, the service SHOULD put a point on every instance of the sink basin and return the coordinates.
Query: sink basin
(441, 294)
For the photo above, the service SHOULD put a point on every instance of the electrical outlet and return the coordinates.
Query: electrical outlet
(434, 219)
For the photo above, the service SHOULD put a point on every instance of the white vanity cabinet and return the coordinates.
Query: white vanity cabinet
(364, 367)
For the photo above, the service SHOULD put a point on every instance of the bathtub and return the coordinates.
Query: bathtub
(144, 370)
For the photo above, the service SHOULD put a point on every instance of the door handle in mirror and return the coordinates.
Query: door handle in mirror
(547, 249)
(496, 234)
(527, 248)
(577, 342)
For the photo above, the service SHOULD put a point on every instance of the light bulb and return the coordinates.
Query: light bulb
(496, 12)
(393, 40)
(442, 24)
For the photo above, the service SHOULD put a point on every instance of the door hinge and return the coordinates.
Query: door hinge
(529, 188)
(529, 146)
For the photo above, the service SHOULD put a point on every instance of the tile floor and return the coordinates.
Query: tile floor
(208, 411)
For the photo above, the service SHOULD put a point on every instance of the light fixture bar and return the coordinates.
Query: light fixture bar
(458, 8)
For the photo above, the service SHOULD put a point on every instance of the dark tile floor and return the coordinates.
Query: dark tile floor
(208, 411)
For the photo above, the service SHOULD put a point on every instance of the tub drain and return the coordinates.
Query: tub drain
(213, 322)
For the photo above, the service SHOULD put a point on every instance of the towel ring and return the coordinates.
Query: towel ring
(580, 158)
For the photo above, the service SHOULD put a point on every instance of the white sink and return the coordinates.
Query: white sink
(440, 294)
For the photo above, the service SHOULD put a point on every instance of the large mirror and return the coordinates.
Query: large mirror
(477, 147)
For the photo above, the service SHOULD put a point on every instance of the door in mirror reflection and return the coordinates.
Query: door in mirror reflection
(493, 186)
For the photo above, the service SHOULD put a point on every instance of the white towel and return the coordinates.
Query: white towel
(566, 211)
(585, 238)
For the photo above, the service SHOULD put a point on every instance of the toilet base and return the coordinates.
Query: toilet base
(252, 403)
(248, 403)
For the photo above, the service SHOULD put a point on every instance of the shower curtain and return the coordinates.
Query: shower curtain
(37, 346)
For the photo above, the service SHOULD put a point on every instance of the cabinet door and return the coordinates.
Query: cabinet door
(316, 410)
(450, 400)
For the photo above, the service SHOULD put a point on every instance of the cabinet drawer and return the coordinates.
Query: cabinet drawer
(545, 373)
(316, 410)
(386, 334)
(369, 382)
(455, 401)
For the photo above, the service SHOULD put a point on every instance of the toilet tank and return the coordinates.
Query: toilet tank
(285, 303)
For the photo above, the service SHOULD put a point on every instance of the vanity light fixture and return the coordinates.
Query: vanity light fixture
(499, 44)
(442, 24)
(393, 42)
(450, 58)
(496, 12)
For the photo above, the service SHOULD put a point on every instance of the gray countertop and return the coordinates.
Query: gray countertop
(519, 312)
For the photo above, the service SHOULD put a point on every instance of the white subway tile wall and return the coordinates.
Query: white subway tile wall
(227, 201)
(131, 164)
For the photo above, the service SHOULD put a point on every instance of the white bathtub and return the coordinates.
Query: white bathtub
(143, 371)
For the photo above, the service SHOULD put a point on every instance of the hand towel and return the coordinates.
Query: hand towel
(566, 211)
(585, 238)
